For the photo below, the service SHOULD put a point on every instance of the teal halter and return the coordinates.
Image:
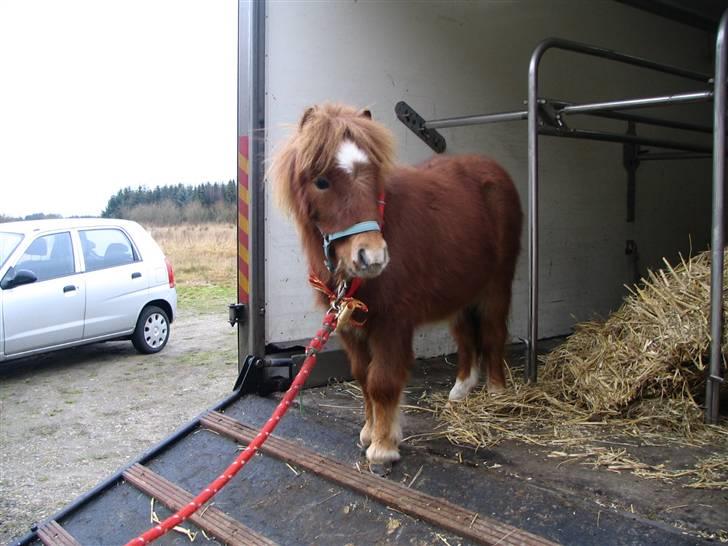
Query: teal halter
(361, 227)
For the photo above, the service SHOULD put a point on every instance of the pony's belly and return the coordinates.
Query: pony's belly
(442, 302)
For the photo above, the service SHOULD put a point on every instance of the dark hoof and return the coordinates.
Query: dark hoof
(380, 469)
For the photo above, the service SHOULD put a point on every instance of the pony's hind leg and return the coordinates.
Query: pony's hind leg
(357, 349)
(392, 358)
(466, 331)
(494, 332)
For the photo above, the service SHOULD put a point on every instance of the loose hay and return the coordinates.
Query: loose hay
(633, 378)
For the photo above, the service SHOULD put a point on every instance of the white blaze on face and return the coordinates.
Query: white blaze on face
(348, 155)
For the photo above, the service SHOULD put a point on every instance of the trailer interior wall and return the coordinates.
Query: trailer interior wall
(447, 59)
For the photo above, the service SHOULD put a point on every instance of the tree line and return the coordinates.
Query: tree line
(166, 205)
(34, 216)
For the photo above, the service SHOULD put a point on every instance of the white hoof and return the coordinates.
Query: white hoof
(378, 454)
(463, 386)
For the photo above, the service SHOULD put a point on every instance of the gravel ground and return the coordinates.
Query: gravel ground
(70, 419)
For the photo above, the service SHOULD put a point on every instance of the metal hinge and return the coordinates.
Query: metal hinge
(237, 313)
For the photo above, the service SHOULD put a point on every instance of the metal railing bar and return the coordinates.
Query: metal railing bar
(477, 119)
(531, 368)
(646, 102)
(623, 138)
(648, 120)
(600, 109)
(713, 374)
(650, 156)
(595, 51)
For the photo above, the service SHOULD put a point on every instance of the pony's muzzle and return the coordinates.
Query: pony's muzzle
(368, 259)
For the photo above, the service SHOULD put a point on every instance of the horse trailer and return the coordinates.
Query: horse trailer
(609, 116)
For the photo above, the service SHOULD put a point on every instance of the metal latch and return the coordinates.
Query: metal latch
(237, 313)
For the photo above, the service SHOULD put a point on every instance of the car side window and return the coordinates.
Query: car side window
(104, 248)
(8, 243)
(49, 256)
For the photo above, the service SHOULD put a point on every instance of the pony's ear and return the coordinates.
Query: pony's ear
(366, 113)
(306, 115)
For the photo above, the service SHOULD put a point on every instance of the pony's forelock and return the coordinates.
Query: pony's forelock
(312, 149)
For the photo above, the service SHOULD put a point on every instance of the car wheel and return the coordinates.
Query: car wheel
(152, 330)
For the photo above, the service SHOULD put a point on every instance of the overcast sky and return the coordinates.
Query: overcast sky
(97, 95)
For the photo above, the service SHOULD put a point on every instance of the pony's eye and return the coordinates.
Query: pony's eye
(322, 184)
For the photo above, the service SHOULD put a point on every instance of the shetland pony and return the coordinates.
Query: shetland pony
(447, 249)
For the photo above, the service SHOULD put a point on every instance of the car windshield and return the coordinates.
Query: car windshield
(8, 242)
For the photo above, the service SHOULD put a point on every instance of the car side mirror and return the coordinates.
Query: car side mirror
(18, 277)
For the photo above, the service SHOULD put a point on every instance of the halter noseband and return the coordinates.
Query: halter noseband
(361, 227)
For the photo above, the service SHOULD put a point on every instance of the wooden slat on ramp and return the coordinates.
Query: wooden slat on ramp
(52, 534)
(212, 520)
(435, 510)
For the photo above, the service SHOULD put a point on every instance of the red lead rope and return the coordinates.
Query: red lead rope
(314, 346)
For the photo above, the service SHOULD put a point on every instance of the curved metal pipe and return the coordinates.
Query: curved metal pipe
(536, 56)
(531, 369)
(714, 378)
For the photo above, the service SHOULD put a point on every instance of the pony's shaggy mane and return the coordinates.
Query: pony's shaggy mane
(311, 150)
(452, 229)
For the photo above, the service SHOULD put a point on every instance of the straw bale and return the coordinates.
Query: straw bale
(638, 374)
(653, 347)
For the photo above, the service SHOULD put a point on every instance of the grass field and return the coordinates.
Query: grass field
(204, 257)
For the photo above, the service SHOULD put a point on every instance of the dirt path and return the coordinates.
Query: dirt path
(69, 419)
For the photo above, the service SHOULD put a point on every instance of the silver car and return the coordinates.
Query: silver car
(75, 281)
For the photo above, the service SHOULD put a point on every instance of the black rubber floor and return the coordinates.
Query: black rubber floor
(294, 507)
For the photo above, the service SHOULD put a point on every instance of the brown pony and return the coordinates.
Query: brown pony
(447, 250)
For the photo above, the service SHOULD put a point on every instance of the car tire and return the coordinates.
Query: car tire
(152, 330)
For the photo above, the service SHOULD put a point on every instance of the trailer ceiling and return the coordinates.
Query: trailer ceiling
(704, 14)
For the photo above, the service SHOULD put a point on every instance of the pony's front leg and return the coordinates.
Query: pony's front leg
(392, 358)
(357, 349)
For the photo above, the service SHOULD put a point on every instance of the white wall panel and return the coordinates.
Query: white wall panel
(448, 59)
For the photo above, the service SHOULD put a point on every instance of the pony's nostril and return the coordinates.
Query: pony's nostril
(362, 255)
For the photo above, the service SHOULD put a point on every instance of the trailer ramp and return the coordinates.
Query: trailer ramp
(310, 484)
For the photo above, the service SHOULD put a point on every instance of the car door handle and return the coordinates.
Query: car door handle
(69, 288)
(136, 275)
